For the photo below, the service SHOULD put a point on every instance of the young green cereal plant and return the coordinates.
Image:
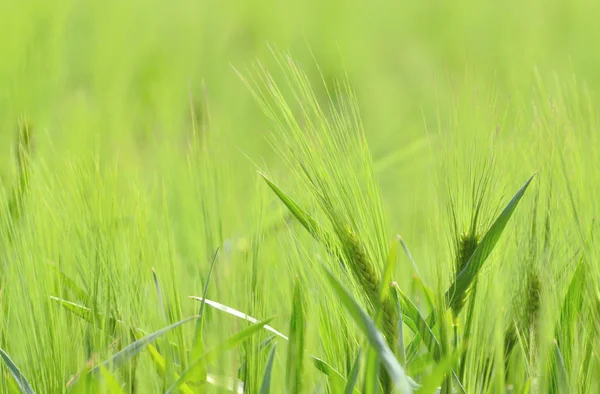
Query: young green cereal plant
(326, 149)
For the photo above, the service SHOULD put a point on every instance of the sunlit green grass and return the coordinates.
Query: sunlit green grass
(140, 140)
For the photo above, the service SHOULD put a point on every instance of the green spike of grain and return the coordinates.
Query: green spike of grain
(366, 274)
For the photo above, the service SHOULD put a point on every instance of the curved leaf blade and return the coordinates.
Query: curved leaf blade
(375, 337)
(265, 387)
(465, 278)
(239, 314)
(16, 373)
(134, 348)
(349, 389)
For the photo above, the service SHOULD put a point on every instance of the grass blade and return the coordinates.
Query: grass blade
(458, 290)
(210, 355)
(336, 380)
(371, 378)
(239, 314)
(411, 312)
(71, 285)
(134, 348)
(88, 315)
(349, 389)
(160, 364)
(388, 271)
(111, 382)
(265, 387)
(376, 339)
(433, 381)
(198, 375)
(560, 372)
(24, 385)
(303, 217)
(295, 355)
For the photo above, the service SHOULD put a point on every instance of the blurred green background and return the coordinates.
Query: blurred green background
(120, 72)
(114, 90)
(118, 78)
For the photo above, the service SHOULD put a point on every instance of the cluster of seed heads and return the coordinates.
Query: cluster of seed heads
(366, 275)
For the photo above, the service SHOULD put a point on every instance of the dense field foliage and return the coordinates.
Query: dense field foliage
(269, 196)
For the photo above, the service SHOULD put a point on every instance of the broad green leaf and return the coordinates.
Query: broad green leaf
(24, 385)
(111, 382)
(210, 355)
(303, 217)
(349, 389)
(295, 353)
(265, 387)
(239, 314)
(457, 291)
(376, 339)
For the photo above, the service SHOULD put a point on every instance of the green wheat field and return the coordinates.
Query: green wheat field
(299, 197)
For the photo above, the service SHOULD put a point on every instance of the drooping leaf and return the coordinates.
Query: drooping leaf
(134, 348)
(367, 326)
(16, 373)
(307, 221)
